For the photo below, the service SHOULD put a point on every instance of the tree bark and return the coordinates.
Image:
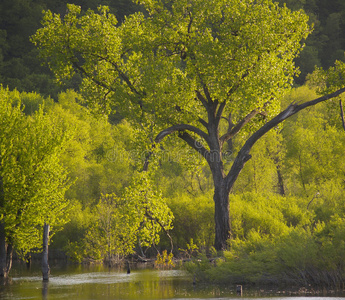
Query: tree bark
(221, 216)
(9, 256)
(3, 250)
(6, 253)
(45, 265)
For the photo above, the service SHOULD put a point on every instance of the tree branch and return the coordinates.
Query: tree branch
(243, 155)
(123, 76)
(203, 122)
(152, 218)
(195, 145)
(207, 93)
(220, 112)
(202, 99)
(238, 84)
(238, 126)
(97, 82)
(320, 99)
(180, 127)
(190, 21)
(126, 79)
(342, 113)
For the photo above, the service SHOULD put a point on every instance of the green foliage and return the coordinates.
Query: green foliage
(119, 224)
(33, 179)
(98, 157)
(152, 213)
(314, 147)
(110, 234)
(260, 174)
(280, 240)
(328, 81)
(191, 250)
(183, 65)
(266, 214)
(295, 238)
(148, 68)
(194, 220)
(20, 67)
(164, 260)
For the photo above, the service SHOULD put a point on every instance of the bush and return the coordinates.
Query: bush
(194, 220)
(277, 240)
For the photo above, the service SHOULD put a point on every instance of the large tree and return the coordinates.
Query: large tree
(202, 70)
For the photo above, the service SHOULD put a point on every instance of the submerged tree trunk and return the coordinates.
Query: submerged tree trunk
(9, 256)
(45, 265)
(3, 248)
(6, 253)
(3, 251)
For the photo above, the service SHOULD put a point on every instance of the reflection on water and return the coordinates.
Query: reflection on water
(97, 282)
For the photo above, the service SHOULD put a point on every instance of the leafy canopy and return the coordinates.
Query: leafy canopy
(236, 52)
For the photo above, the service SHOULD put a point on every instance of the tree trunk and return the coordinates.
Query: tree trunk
(45, 265)
(3, 248)
(9, 255)
(221, 216)
(3, 251)
(281, 188)
(6, 253)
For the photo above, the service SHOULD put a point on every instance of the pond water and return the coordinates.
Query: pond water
(101, 283)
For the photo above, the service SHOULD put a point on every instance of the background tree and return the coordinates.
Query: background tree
(33, 179)
(20, 67)
(121, 225)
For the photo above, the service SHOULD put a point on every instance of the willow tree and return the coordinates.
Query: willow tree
(182, 68)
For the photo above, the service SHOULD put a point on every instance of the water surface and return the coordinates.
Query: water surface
(101, 283)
